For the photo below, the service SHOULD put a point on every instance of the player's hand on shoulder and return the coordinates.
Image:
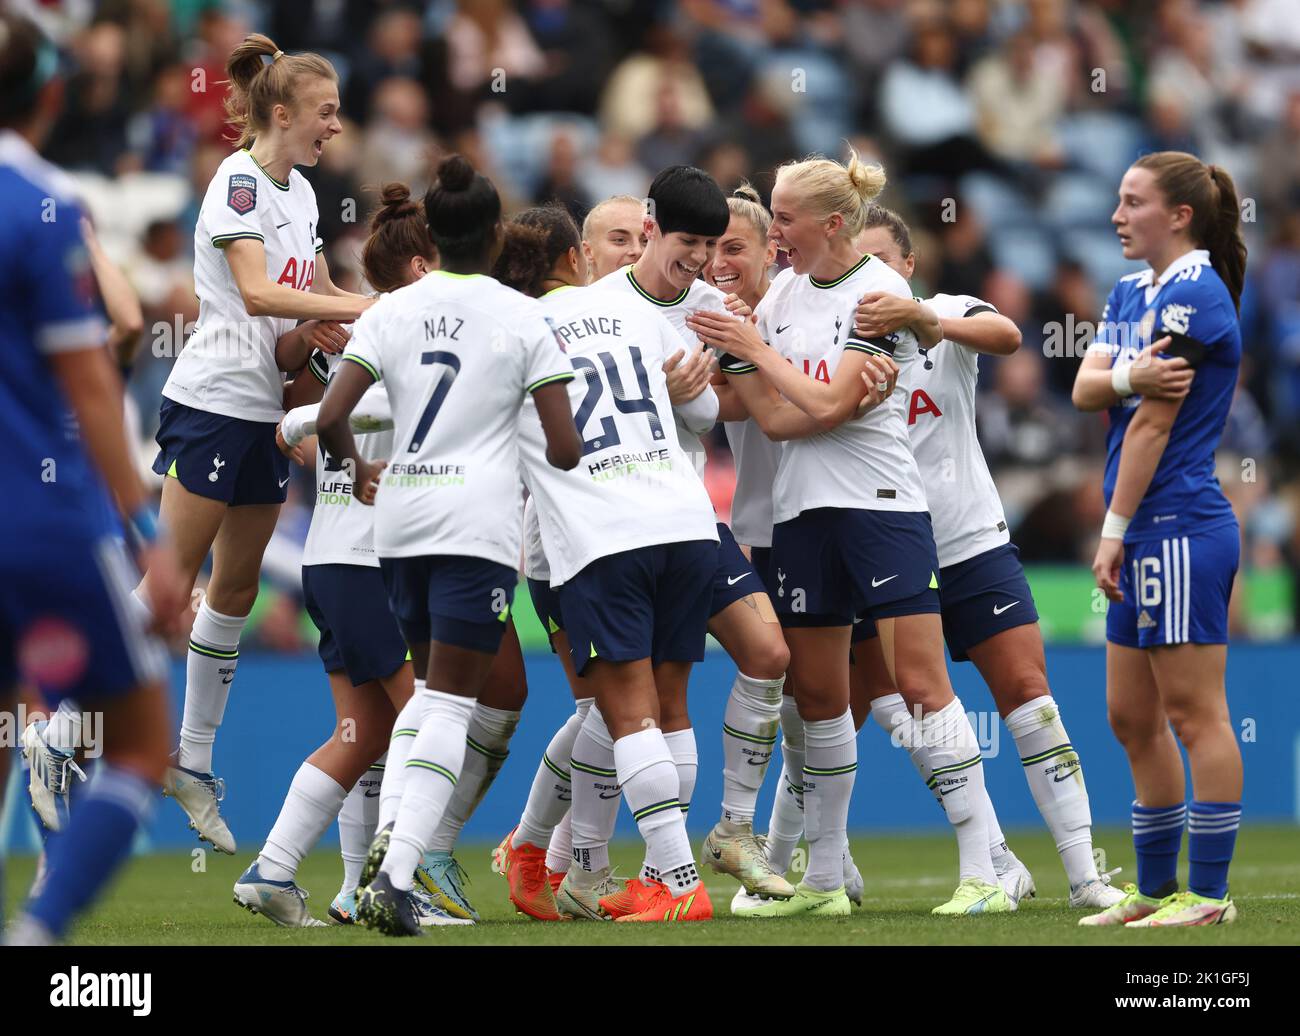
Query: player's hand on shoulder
(1156, 376)
(880, 313)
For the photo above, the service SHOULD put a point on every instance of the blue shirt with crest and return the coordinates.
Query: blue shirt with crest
(1190, 299)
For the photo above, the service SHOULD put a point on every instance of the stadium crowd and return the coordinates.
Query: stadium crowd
(1004, 127)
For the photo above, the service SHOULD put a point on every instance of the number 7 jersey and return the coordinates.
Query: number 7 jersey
(635, 486)
(459, 354)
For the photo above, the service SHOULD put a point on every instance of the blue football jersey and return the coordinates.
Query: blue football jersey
(1189, 299)
(47, 305)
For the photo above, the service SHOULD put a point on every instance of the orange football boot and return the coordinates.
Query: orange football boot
(632, 899)
(692, 905)
(530, 888)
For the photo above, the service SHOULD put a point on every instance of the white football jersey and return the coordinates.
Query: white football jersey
(700, 296)
(342, 531)
(635, 486)
(228, 365)
(459, 354)
(535, 564)
(866, 462)
(940, 390)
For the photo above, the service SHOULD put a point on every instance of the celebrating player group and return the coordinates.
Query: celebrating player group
(525, 390)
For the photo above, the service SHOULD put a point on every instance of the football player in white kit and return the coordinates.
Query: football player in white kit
(687, 214)
(448, 520)
(851, 535)
(361, 647)
(630, 545)
(987, 606)
(259, 269)
(741, 265)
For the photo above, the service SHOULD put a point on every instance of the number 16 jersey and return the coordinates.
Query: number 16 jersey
(635, 486)
(459, 353)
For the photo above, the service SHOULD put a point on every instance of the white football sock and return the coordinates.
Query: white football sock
(596, 793)
(486, 747)
(209, 671)
(314, 800)
(432, 771)
(749, 728)
(681, 743)
(649, 779)
(959, 776)
(785, 828)
(63, 731)
(358, 819)
(893, 715)
(828, 774)
(405, 727)
(552, 788)
(559, 851)
(1055, 778)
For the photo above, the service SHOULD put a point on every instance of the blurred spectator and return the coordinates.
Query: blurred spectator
(560, 183)
(1279, 161)
(398, 144)
(163, 135)
(623, 107)
(1017, 110)
(91, 131)
(393, 50)
(577, 47)
(612, 169)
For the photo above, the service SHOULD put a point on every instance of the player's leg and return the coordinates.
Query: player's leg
(363, 719)
(913, 650)
(1190, 680)
(491, 725)
(1138, 721)
(1013, 665)
(749, 632)
(465, 610)
(212, 658)
(358, 821)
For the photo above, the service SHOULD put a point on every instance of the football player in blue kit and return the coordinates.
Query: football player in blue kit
(1170, 541)
(67, 623)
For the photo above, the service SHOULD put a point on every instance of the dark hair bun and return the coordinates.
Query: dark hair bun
(747, 193)
(455, 173)
(395, 203)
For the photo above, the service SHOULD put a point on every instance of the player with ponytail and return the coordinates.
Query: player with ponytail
(259, 270)
(1170, 543)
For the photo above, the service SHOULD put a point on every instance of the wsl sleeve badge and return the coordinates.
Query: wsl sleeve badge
(242, 193)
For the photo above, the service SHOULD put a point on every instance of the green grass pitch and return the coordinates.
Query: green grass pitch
(160, 899)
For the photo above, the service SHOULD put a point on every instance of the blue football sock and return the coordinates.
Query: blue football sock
(1157, 837)
(1211, 836)
(98, 838)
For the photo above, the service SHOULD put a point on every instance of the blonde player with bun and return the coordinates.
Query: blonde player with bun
(851, 534)
(259, 270)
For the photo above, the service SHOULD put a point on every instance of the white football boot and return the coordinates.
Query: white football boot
(283, 902)
(198, 794)
(50, 773)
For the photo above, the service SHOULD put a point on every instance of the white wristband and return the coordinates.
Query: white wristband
(1114, 526)
(1119, 380)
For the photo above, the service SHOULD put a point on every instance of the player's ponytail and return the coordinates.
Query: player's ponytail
(825, 187)
(534, 242)
(257, 86)
(1208, 190)
(463, 210)
(398, 233)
